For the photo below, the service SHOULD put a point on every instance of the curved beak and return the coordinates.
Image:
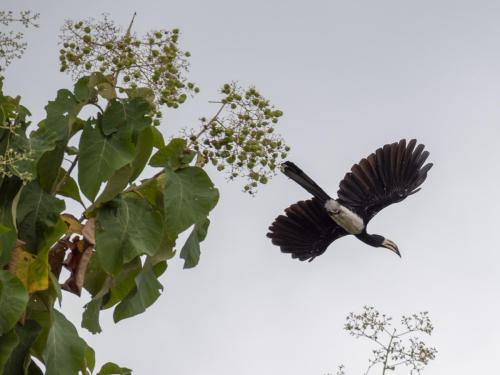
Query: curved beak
(388, 244)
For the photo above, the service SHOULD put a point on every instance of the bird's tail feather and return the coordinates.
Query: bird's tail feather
(295, 173)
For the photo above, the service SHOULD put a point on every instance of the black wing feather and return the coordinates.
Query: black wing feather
(305, 231)
(385, 177)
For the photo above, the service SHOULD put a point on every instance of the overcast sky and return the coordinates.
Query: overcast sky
(350, 76)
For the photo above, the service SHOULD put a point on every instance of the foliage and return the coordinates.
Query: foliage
(92, 146)
(12, 45)
(394, 347)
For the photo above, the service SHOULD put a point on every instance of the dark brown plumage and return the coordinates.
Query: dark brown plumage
(387, 176)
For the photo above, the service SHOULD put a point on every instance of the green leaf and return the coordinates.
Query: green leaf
(158, 141)
(8, 343)
(100, 157)
(189, 195)
(124, 282)
(48, 167)
(69, 187)
(13, 300)
(137, 110)
(54, 131)
(20, 357)
(90, 317)
(113, 369)
(55, 288)
(115, 185)
(130, 113)
(175, 155)
(89, 359)
(95, 276)
(126, 228)
(114, 117)
(84, 89)
(146, 292)
(143, 151)
(8, 192)
(64, 353)
(191, 250)
(37, 212)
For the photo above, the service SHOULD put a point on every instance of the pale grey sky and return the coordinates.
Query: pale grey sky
(350, 77)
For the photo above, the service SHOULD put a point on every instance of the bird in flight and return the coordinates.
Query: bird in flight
(387, 176)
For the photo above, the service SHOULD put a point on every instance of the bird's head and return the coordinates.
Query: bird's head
(388, 244)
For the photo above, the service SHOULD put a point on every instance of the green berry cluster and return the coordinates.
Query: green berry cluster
(241, 139)
(154, 61)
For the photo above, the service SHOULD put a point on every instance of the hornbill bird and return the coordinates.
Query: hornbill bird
(387, 176)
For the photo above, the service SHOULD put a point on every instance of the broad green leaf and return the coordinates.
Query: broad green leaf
(38, 276)
(113, 369)
(189, 195)
(69, 188)
(158, 141)
(143, 151)
(13, 300)
(174, 155)
(55, 288)
(114, 117)
(123, 283)
(100, 157)
(84, 89)
(90, 317)
(64, 353)
(19, 361)
(115, 186)
(89, 359)
(137, 110)
(130, 113)
(8, 343)
(95, 276)
(146, 292)
(54, 131)
(191, 250)
(48, 167)
(37, 212)
(8, 192)
(126, 227)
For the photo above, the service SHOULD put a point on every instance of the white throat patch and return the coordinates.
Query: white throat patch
(344, 217)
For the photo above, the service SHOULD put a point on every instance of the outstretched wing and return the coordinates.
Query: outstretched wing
(306, 230)
(387, 176)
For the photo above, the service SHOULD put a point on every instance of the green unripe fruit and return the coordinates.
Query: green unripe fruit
(197, 90)
(87, 29)
(86, 50)
(87, 38)
(88, 66)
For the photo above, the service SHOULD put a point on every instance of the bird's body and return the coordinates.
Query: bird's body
(385, 177)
